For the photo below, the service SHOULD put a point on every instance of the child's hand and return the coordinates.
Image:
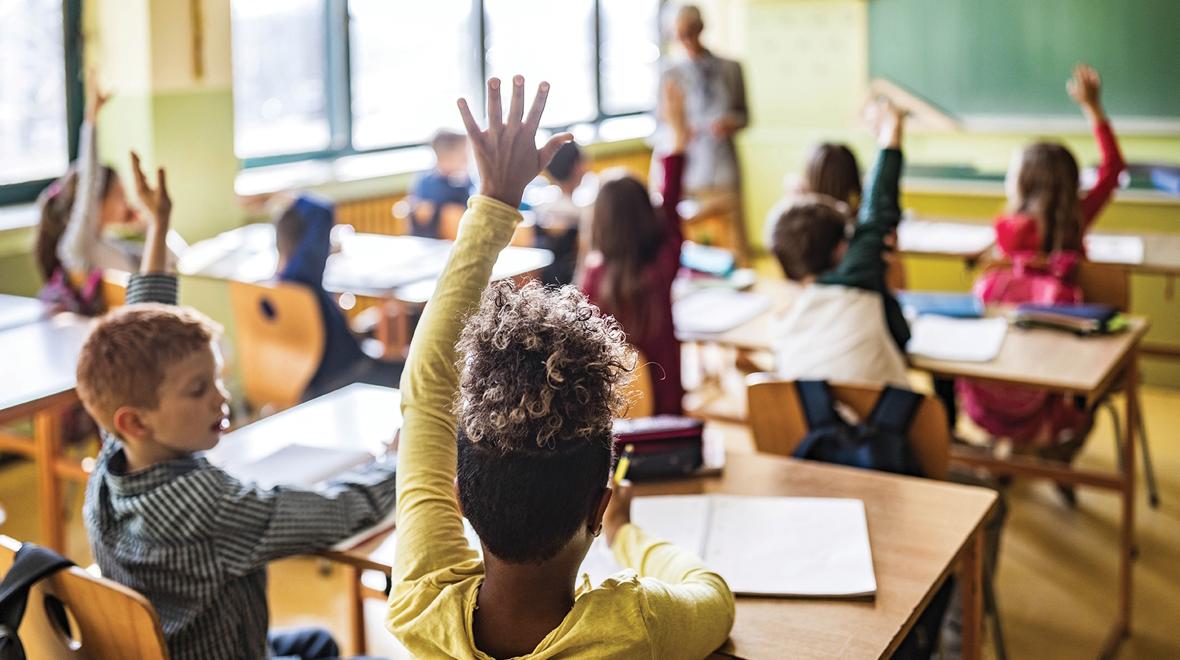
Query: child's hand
(156, 200)
(618, 512)
(1084, 88)
(96, 97)
(506, 154)
(887, 120)
(674, 115)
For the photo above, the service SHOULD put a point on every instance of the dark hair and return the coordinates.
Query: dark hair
(445, 140)
(832, 170)
(627, 232)
(1047, 190)
(290, 227)
(805, 237)
(562, 165)
(543, 373)
(56, 202)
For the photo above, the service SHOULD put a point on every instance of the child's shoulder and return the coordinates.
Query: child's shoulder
(1017, 232)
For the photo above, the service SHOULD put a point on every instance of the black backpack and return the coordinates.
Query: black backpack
(32, 564)
(877, 443)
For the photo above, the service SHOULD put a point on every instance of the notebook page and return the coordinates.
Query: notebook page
(963, 340)
(679, 519)
(713, 311)
(798, 546)
(300, 465)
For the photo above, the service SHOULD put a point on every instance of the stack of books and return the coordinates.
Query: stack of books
(1086, 319)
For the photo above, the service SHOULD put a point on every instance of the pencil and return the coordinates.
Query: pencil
(624, 463)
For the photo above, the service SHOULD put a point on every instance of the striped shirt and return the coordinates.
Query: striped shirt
(195, 541)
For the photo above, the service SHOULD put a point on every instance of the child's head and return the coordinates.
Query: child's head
(1043, 183)
(832, 170)
(543, 373)
(152, 375)
(627, 232)
(567, 167)
(290, 226)
(809, 237)
(56, 202)
(450, 152)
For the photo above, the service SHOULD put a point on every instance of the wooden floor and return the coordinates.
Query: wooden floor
(1056, 575)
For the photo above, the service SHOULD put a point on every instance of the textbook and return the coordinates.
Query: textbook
(799, 547)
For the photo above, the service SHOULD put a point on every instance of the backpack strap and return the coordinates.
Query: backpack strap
(895, 410)
(816, 399)
(32, 564)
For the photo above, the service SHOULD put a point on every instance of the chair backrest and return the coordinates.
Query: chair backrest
(114, 288)
(641, 391)
(778, 423)
(106, 619)
(1109, 284)
(280, 341)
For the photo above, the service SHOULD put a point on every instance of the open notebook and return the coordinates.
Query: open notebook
(762, 546)
(300, 465)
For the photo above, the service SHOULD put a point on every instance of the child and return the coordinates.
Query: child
(161, 519)
(439, 197)
(832, 170)
(635, 255)
(1042, 238)
(303, 238)
(846, 326)
(75, 210)
(541, 374)
(559, 221)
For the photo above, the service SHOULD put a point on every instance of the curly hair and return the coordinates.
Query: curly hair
(543, 373)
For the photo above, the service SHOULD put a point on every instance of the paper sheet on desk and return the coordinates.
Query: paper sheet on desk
(943, 237)
(300, 465)
(713, 311)
(960, 340)
(1113, 249)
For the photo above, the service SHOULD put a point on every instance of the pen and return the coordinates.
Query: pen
(624, 463)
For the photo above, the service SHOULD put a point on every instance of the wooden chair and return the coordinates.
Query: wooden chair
(1110, 284)
(778, 423)
(280, 341)
(105, 619)
(641, 391)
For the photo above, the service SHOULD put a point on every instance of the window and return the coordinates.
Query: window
(39, 112)
(357, 76)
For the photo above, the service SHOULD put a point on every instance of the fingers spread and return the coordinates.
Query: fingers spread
(538, 108)
(551, 147)
(495, 109)
(516, 109)
(468, 121)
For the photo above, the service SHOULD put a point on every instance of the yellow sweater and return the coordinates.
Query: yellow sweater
(666, 605)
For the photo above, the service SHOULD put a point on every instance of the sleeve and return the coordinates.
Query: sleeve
(307, 264)
(673, 193)
(1108, 173)
(740, 110)
(255, 526)
(689, 610)
(864, 265)
(82, 229)
(152, 288)
(429, 527)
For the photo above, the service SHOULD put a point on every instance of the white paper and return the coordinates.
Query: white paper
(300, 465)
(960, 340)
(713, 311)
(776, 546)
(944, 237)
(1114, 249)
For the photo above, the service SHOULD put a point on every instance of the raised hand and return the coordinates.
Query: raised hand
(96, 96)
(1085, 87)
(506, 154)
(887, 121)
(155, 200)
(673, 114)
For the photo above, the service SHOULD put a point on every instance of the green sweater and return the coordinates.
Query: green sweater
(863, 266)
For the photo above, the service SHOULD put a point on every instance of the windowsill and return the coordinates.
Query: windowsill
(390, 172)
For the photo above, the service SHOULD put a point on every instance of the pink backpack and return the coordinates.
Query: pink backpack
(1030, 279)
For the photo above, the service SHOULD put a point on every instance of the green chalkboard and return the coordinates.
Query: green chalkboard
(1012, 57)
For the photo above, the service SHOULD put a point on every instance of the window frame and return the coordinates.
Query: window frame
(27, 191)
(338, 86)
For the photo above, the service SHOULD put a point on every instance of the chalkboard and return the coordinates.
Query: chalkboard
(1010, 58)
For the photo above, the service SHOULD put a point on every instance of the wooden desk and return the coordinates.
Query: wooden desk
(942, 238)
(39, 360)
(920, 531)
(1161, 253)
(18, 310)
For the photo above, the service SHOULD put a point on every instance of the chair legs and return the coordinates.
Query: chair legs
(992, 610)
(1153, 494)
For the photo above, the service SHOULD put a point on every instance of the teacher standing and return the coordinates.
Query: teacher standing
(715, 106)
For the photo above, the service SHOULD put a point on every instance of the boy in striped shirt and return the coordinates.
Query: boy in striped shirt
(190, 537)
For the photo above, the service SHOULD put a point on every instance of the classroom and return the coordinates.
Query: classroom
(589, 329)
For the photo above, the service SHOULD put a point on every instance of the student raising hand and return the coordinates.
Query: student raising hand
(159, 207)
(506, 153)
(1084, 88)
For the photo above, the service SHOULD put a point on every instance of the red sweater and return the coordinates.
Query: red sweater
(658, 343)
(1017, 234)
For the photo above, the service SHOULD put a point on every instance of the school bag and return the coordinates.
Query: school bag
(32, 564)
(877, 443)
(661, 446)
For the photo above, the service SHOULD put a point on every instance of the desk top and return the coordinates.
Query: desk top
(917, 528)
(360, 416)
(1161, 252)
(367, 264)
(18, 310)
(942, 238)
(43, 355)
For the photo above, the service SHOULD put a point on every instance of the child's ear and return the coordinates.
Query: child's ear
(129, 423)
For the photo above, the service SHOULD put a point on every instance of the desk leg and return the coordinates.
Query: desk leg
(1122, 627)
(971, 586)
(47, 443)
(356, 599)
